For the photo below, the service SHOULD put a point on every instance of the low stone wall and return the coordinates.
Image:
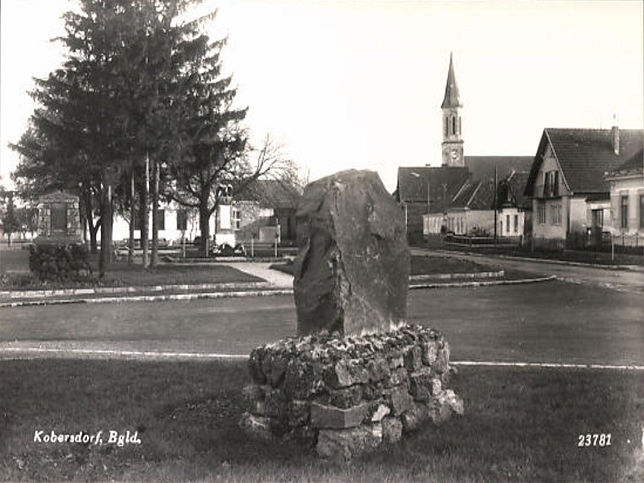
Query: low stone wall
(348, 395)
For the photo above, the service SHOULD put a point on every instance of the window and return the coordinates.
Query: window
(161, 220)
(641, 211)
(460, 126)
(182, 220)
(58, 217)
(555, 215)
(541, 214)
(137, 220)
(446, 126)
(551, 183)
(501, 226)
(598, 218)
(454, 125)
(516, 223)
(623, 211)
(507, 223)
(555, 190)
(236, 219)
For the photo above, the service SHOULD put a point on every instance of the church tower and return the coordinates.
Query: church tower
(452, 141)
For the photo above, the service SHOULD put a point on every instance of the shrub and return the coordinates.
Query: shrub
(59, 261)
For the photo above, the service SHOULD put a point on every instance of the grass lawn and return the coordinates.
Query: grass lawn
(520, 425)
(582, 256)
(421, 265)
(122, 274)
(131, 275)
(13, 259)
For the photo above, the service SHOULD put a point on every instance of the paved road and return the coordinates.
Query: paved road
(623, 280)
(543, 322)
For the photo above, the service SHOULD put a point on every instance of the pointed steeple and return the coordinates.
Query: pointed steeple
(451, 98)
(452, 146)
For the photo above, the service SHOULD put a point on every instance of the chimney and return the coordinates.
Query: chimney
(615, 135)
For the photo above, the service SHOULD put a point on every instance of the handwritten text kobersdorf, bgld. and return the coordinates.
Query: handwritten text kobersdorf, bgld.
(117, 438)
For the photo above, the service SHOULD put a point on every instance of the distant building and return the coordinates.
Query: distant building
(627, 201)
(567, 185)
(454, 196)
(514, 210)
(265, 209)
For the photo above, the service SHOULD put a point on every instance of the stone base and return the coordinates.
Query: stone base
(349, 395)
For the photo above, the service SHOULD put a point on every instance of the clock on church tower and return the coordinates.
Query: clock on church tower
(452, 145)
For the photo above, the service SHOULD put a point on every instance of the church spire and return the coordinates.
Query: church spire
(452, 146)
(451, 98)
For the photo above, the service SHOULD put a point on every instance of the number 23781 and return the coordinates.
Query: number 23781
(596, 439)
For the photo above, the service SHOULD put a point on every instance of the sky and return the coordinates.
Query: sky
(359, 84)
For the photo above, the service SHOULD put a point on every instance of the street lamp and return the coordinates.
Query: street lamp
(416, 175)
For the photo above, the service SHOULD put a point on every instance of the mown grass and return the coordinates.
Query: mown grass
(122, 275)
(421, 265)
(520, 425)
(622, 255)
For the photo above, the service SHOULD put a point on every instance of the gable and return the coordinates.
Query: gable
(586, 156)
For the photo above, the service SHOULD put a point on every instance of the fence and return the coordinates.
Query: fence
(481, 241)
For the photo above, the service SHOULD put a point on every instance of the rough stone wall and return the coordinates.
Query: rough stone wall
(348, 395)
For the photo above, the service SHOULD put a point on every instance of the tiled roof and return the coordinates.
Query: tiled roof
(632, 165)
(482, 167)
(511, 188)
(451, 98)
(271, 193)
(475, 195)
(413, 188)
(586, 156)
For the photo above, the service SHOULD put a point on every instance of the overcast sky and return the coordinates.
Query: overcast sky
(347, 84)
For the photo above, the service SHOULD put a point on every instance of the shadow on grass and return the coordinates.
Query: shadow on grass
(520, 425)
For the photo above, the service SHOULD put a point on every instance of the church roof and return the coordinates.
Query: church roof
(451, 98)
(482, 167)
(443, 183)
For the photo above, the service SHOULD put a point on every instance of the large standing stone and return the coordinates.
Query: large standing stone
(352, 270)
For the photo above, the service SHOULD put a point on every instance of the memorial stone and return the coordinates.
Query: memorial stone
(352, 269)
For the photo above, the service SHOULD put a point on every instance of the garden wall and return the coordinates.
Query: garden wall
(348, 395)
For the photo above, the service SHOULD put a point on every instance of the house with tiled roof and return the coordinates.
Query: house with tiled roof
(264, 208)
(627, 201)
(436, 198)
(568, 184)
(470, 210)
(514, 210)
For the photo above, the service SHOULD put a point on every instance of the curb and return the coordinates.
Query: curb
(207, 261)
(630, 268)
(452, 276)
(21, 294)
(250, 293)
(483, 284)
(152, 298)
(22, 353)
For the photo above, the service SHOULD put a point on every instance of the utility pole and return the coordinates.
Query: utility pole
(495, 203)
